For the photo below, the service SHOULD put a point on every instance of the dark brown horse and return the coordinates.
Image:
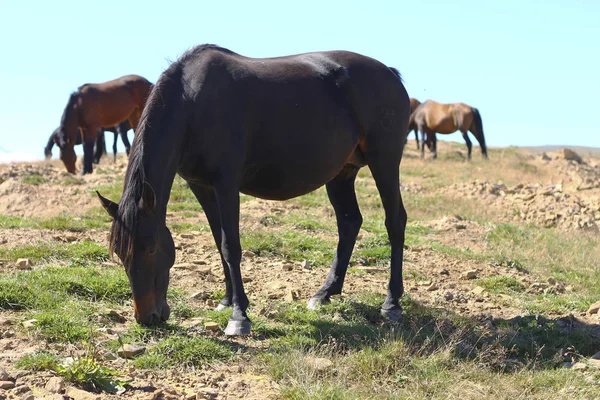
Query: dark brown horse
(432, 117)
(274, 128)
(93, 106)
(414, 103)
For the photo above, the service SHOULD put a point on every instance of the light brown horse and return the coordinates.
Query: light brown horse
(432, 117)
(96, 105)
(414, 103)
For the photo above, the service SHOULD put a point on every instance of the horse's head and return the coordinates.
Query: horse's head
(144, 244)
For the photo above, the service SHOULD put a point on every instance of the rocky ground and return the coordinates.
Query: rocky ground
(452, 263)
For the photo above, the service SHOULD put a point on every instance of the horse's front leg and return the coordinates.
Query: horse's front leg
(228, 200)
(89, 140)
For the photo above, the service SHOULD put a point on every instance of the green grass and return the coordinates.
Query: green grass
(502, 284)
(93, 219)
(183, 351)
(38, 361)
(43, 252)
(34, 179)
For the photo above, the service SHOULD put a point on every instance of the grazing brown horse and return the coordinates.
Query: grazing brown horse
(432, 117)
(94, 106)
(414, 103)
(274, 128)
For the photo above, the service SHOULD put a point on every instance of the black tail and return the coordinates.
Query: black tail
(479, 131)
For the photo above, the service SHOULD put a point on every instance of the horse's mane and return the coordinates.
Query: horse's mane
(396, 72)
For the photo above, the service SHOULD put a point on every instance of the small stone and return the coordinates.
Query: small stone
(570, 155)
(78, 394)
(6, 385)
(184, 266)
(199, 262)
(478, 291)
(204, 271)
(207, 394)
(291, 296)
(248, 254)
(4, 376)
(449, 296)
(433, 287)
(155, 395)
(28, 396)
(471, 274)
(107, 355)
(30, 323)
(130, 351)
(460, 226)
(247, 279)
(444, 272)
(306, 264)
(193, 322)
(594, 308)
(199, 296)
(55, 384)
(71, 238)
(24, 263)
(115, 316)
(551, 281)
(320, 364)
(287, 267)
(21, 389)
(211, 326)
(186, 236)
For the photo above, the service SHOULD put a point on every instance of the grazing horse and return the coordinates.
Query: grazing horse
(93, 106)
(119, 130)
(432, 117)
(414, 103)
(273, 128)
(100, 146)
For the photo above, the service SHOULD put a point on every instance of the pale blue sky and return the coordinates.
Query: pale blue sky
(531, 67)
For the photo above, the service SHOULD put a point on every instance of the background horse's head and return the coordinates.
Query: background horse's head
(66, 134)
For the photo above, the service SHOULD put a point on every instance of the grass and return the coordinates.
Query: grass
(43, 252)
(34, 179)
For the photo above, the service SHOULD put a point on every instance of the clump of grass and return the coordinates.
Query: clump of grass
(183, 351)
(38, 361)
(34, 179)
(502, 284)
(76, 253)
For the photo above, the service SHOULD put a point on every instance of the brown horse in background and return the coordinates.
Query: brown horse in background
(414, 103)
(98, 105)
(432, 117)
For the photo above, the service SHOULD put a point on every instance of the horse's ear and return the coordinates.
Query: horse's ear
(148, 200)
(110, 206)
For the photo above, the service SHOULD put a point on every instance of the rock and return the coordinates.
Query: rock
(6, 385)
(4, 376)
(130, 351)
(184, 266)
(291, 296)
(287, 267)
(186, 236)
(28, 396)
(449, 296)
(193, 322)
(371, 270)
(471, 274)
(570, 155)
(460, 226)
(306, 264)
(115, 316)
(248, 254)
(545, 157)
(478, 291)
(319, 363)
(157, 394)
(594, 308)
(21, 389)
(207, 394)
(199, 296)
(212, 326)
(199, 262)
(6, 321)
(71, 238)
(552, 281)
(107, 355)
(433, 287)
(30, 323)
(78, 394)
(578, 366)
(24, 263)
(204, 271)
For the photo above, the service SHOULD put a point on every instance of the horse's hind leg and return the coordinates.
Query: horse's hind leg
(468, 142)
(125, 141)
(100, 147)
(385, 169)
(115, 146)
(208, 201)
(89, 140)
(343, 198)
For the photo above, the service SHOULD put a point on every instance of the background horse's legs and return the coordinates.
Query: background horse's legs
(385, 169)
(468, 142)
(208, 201)
(423, 141)
(228, 200)
(125, 140)
(417, 138)
(343, 198)
(100, 146)
(115, 145)
(434, 141)
(89, 139)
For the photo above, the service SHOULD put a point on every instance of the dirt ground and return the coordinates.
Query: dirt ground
(567, 197)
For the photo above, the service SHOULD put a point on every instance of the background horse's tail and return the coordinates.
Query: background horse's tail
(478, 130)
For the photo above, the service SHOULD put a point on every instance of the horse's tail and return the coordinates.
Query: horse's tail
(479, 130)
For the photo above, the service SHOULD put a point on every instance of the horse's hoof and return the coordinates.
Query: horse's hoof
(238, 328)
(221, 307)
(315, 303)
(393, 315)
